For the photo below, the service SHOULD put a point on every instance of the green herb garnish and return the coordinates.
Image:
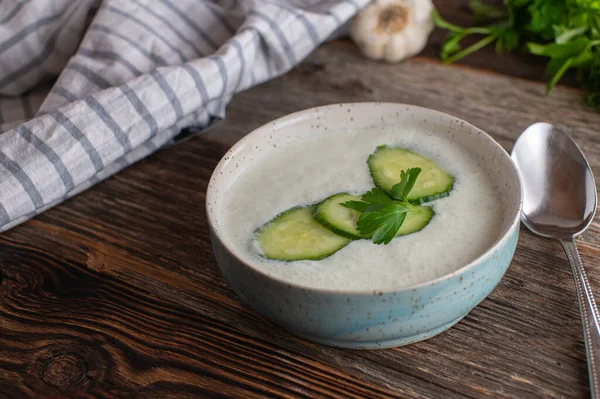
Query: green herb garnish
(565, 31)
(383, 216)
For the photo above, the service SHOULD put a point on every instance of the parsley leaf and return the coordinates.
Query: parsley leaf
(482, 12)
(565, 31)
(407, 182)
(382, 222)
(383, 216)
(376, 196)
(356, 205)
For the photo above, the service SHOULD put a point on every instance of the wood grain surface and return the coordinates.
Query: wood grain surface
(115, 293)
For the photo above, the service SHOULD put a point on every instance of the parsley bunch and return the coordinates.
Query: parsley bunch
(565, 31)
(383, 215)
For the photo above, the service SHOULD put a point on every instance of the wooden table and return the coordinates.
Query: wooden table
(115, 293)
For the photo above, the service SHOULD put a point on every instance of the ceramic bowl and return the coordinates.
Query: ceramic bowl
(373, 319)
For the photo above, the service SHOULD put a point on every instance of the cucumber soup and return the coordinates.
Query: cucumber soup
(308, 170)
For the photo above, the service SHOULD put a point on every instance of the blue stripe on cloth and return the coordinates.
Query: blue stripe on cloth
(148, 28)
(23, 179)
(310, 28)
(168, 90)
(278, 33)
(223, 73)
(37, 61)
(13, 12)
(122, 163)
(356, 6)
(34, 26)
(151, 56)
(150, 146)
(218, 15)
(267, 57)
(89, 75)
(109, 55)
(240, 54)
(335, 17)
(140, 108)
(198, 81)
(50, 155)
(93, 180)
(4, 218)
(312, 32)
(109, 122)
(78, 135)
(191, 23)
(64, 93)
(173, 29)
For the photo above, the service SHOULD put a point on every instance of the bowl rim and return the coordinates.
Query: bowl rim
(312, 113)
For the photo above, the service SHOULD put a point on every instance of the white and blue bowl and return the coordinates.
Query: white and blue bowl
(373, 319)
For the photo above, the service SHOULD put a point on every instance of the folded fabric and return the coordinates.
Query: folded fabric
(131, 75)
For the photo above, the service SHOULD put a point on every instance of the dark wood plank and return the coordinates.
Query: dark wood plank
(115, 293)
(96, 300)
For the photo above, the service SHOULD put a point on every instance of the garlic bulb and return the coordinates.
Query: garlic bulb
(392, 30)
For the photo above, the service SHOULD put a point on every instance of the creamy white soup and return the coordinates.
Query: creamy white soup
(309, 170)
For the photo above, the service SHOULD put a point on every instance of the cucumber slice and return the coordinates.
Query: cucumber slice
(342, 221)
(386, 163)
(338, 218)
(295, 235)
(416, 221)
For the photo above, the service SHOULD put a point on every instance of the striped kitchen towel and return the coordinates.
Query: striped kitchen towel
(88, 87)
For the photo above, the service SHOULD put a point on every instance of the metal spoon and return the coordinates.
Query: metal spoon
(560, 202)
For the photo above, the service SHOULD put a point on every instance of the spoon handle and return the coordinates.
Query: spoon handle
(589, 316)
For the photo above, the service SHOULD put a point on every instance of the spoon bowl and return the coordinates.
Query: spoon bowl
(558, 186)
(559, 201)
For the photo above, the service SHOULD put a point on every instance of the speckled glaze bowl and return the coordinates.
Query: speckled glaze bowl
(374, 319)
